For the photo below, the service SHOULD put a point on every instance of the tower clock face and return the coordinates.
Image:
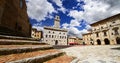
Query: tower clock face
(21, 3)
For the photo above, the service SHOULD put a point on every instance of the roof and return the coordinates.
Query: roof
(106, 19)
(34, 29)
(87, 33)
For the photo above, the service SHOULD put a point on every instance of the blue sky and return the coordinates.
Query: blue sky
(75, 15)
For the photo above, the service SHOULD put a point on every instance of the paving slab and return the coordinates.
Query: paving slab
(95, 54)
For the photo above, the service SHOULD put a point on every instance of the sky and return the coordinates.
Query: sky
(75, 15)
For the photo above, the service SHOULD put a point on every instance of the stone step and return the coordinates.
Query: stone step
(61, 59)
(17, 38)
(31, 57)
(14, 40)
(14, 49)
(20, 42)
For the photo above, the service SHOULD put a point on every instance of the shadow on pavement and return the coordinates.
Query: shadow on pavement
(117, 48)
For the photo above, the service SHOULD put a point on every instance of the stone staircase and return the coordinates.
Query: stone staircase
(26, 50)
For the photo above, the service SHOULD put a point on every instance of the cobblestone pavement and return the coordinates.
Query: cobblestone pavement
(95, 54)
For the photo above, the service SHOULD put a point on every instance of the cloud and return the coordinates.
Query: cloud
(74, 23)
(59, 3)
(73, 31)
(95, 10)
(39, 9)
(65, 25)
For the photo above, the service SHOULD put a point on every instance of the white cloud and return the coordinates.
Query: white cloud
(74, 23)
(73, 31)
(88, 27)
(65, 25)
(59, 3)
(39, 9)
(95, 10)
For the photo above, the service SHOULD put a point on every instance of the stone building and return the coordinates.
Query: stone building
(104, 32)
(36, 34)
(55, 35)
(14, 19)
(87, 38)
(75, 40)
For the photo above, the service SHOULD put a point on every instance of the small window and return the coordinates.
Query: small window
(60, 36)
(46, 36)
(49, 36)
(111, 33)
(110, 25)
(105, 34)
(65, 37)
(97, 35)
(49, 31)
(113, 22)
(52, 36)
(53, 32)
(94, 29)
(101, 27)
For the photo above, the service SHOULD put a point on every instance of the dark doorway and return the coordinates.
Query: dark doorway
(98, 42)
(107, 42)
(118, 40)
(56, 42)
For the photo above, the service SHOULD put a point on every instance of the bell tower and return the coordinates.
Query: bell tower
(57, 22)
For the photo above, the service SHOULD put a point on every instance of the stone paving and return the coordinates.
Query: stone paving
(95, 54)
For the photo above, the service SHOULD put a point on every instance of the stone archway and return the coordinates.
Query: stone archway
(98, 42)
(107, 41)
(118, 40)
(56, 42)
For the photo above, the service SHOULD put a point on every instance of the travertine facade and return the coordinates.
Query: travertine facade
(55, 35)
(36, 34)
(14, 19)
(104, 32)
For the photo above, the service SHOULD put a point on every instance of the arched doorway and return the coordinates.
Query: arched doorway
(98, 42)
(56, 42)
(118, 40)
(107, 42)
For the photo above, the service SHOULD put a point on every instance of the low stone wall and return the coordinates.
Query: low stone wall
(6, 51)
(39, 59)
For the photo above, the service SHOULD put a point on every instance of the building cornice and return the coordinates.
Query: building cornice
(55, 29)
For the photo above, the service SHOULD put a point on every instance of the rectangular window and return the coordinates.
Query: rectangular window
(97, 35)
(105, 34)
(116, 32)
